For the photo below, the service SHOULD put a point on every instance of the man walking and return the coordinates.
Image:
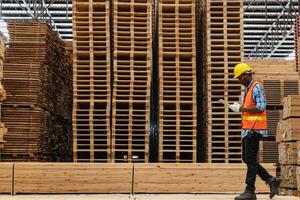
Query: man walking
(254, 127)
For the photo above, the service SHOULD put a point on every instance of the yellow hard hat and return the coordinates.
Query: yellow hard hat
(241, 68)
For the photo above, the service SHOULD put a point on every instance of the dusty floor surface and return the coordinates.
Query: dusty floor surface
(139, 197)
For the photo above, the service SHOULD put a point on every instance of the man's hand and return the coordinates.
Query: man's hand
(235, 107)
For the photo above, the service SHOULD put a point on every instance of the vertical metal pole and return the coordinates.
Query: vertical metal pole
(266, 7)
(67, 8)
(34, 9)
(1, 9)
(298, 7)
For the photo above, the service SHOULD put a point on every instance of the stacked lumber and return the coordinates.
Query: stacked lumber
(177, 80)
(278, 84)
(37, 78)
(72, 178)
(132, 57)
(91, 81)
(3, 130)
(62, 178)
(222, 23)
(288, 137)
(193, 178)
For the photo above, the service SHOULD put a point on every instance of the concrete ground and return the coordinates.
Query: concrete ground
(139, 197)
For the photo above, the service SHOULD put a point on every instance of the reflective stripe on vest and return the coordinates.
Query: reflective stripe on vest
(254, 118)
(253, 121)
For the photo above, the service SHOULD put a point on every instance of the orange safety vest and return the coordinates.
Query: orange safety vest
(253, 121)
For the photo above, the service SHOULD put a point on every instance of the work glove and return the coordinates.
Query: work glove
(235, 107)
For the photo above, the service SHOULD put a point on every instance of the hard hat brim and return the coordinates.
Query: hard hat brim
(246, 72)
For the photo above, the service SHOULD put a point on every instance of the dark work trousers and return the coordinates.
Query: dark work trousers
(250, 149)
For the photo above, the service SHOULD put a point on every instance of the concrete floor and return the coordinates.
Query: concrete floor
(139, 197)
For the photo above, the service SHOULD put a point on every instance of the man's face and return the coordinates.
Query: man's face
(244, 79)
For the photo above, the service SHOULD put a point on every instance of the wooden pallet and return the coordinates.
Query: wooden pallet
(91, 124)
(177, 80)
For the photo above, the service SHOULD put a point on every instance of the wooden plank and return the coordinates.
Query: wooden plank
(193, 178)
(288, 153)
(291, 106)
(288, 176)
(72, 178)
(288, 130)
(6, 177)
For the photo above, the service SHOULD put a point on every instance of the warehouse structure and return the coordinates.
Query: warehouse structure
(130, 90)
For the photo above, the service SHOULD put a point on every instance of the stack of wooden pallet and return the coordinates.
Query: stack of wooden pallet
(132, 58)
(222, 23)
(3, 130)
(288, 137)
(37, 110)
(177, 80)
(91, 81)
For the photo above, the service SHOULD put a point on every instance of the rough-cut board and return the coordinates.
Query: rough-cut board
(72, 178)
(193, 178)
(288, 153)
(288, 130)
(291, 106)
(6, 171)
(288, 176)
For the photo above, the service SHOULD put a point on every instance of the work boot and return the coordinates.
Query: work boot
(274, 184)
(247, 195)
